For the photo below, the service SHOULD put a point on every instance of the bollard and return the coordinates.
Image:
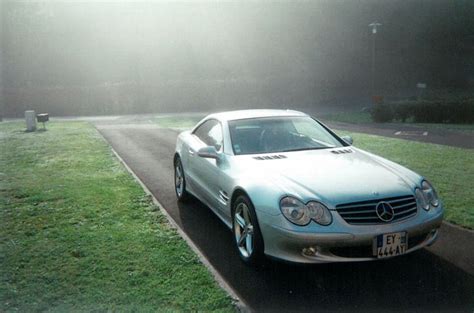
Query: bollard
(30, 118)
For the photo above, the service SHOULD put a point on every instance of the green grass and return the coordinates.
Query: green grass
(79, 234)
(364, 118)
(451, 170)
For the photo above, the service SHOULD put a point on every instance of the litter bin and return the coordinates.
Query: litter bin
(42, 118)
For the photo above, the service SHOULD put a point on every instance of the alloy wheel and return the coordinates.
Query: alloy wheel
(179, 179)
(243, 230)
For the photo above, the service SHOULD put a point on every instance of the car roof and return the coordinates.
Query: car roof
(244, 114)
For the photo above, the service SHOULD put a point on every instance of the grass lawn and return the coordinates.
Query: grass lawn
(79, 234)
(450, 169)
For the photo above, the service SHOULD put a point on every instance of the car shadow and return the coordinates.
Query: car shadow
(418, 281)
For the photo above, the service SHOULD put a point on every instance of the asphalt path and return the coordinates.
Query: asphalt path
(409, 132)
(421, 281)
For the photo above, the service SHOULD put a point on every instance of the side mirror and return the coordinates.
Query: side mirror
(209, 152)
(348, 139)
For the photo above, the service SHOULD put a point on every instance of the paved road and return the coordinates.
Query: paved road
(409, 132)
(421, 281)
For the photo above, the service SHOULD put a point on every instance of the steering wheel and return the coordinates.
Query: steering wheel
(272, 140)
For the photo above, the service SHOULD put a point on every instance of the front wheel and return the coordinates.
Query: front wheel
(247, 236)
(180, 181)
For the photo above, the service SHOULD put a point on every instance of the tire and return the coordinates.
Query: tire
(180, 181)
(245, 223)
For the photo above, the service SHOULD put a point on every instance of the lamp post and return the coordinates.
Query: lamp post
(374, 26)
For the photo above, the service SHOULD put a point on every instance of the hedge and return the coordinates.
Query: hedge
(459, 111)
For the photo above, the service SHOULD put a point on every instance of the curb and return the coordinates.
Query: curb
(454, 245)
(237, 301)
(458, 227)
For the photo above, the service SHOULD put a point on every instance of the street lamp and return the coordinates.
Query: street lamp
(374, 26)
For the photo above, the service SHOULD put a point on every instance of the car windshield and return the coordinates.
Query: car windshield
(279, 134)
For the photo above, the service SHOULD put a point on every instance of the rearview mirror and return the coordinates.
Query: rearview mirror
(348, 139)
(209, 152)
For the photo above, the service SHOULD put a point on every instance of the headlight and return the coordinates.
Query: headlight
(295, 211)
(319, 213)
(301, 214)
(420, 200)
(427, 196)
(430, 193)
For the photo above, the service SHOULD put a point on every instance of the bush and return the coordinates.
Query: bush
(434, 111)
(430, 112)
(462, 112)
(382, 113)
(402, 112)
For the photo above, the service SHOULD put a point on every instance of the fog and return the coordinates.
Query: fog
(89, 58)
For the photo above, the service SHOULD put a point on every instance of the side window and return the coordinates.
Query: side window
(215, 136)
(210, 132)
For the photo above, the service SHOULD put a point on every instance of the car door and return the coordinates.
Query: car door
(205, 171)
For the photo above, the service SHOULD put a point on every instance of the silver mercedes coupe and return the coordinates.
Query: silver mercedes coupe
(291, 189)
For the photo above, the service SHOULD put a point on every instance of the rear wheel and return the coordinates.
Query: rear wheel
(247, 236)
(180, 181)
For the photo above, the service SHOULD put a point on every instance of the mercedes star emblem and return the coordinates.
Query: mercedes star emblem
(384, 211)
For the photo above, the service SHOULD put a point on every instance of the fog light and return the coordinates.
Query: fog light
(433, 233)
(311, 251)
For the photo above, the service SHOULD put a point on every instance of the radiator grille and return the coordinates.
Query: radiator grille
(364, 212)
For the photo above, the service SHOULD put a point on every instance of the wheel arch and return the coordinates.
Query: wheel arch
(176, 156)
(238, 191)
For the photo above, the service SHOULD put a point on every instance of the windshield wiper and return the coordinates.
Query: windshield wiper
(308, 148)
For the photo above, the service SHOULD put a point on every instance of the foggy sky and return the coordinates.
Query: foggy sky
(125, 57)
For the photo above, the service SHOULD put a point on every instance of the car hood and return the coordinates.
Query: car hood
(329, 176)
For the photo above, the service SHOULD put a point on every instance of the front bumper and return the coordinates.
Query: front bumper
(340, 241)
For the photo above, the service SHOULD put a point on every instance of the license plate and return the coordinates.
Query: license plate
(390, 245)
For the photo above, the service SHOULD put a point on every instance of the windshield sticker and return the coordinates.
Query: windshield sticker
(237, 148)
